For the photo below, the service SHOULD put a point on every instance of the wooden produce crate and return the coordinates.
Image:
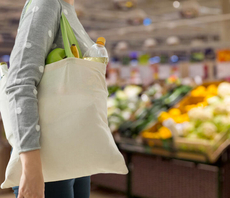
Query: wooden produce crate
(192, 100)
(199, 145)
(188, 100)
(207, 83)
(212, 149)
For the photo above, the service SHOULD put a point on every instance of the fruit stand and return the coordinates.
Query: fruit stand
(187, 143)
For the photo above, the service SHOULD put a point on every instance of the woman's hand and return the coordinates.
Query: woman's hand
(31, 182)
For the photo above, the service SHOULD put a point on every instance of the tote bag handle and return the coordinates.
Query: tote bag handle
(68, 35)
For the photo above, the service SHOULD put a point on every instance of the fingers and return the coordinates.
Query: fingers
(30, 195)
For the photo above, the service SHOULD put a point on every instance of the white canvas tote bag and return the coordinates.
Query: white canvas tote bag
(75, 138)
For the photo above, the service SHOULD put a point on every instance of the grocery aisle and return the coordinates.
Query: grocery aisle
(168, 80)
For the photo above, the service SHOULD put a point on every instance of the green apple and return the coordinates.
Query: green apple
(55, 55)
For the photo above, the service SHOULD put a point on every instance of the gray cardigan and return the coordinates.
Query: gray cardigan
(38, 33)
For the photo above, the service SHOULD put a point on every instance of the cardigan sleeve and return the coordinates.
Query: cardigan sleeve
(36, 33)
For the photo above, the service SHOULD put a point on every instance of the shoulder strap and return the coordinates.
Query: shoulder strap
(71, 35)
(68, 51)
(28, 5)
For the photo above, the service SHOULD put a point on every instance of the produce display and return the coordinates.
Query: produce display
(149, 109)
(210, 118)
(172, 116)
(198, 98)
(199, 123)
(124, 102)
(209, 123)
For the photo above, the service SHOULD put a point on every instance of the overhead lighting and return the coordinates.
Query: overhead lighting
(122, 46)
(173, 40)
(150, 43)
(176, 4)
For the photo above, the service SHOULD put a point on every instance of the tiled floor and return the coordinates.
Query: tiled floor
(95, 193)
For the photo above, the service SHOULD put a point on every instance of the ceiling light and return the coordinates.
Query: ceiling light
(173, 40)
(150, 43)
(176, 4)
(122, 46)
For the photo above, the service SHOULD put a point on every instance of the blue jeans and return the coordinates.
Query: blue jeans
(72, 188)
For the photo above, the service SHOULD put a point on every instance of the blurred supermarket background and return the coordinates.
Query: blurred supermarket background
(169, 102)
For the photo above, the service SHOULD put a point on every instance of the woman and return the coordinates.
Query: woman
(38, 33)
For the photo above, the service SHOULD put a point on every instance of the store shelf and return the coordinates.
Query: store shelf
(180, 155)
